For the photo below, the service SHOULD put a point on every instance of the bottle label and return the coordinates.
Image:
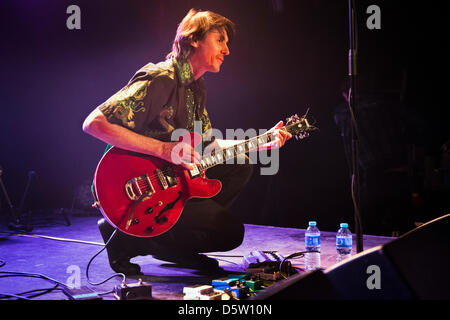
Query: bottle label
(312, 240)
(343, 242)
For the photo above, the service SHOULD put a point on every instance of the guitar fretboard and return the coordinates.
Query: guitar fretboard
(299, 127)
(222, 156)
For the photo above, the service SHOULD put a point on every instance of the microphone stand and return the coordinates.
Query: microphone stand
(28, 226)
(355, 176)
(8, 200)
(16, 225)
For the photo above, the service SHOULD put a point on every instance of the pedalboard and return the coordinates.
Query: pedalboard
(233, 287)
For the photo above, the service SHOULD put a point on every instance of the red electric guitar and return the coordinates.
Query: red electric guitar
(144, 196)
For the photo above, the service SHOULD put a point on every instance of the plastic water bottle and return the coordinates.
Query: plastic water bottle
(312, 246)
(343, 242)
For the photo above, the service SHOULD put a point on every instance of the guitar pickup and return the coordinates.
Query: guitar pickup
(166, 177)
(136, 187)
(162, 179)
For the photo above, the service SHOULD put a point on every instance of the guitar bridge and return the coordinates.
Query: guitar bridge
(136, 187)
(194, 173)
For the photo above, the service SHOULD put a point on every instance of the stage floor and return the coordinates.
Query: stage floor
(66, 261)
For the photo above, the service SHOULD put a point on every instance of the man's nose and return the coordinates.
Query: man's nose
(225, 50)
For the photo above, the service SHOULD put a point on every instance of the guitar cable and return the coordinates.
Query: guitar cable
(92, 259)
(286, 266)
(106, 244)
(5, 274)
(130, 216)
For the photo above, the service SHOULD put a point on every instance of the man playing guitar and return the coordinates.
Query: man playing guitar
(141, 118)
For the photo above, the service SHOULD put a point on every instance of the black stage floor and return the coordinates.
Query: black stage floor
(49, 250)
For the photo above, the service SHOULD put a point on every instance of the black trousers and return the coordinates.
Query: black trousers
(205, 225)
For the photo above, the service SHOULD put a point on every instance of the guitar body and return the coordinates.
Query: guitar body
(143, 195)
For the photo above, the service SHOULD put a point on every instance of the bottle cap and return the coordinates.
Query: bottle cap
(312, 223)
(344, 225)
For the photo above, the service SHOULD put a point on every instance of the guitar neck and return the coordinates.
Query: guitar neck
(300, 127)
(226, 154)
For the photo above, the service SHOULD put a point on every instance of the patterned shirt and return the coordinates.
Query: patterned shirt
(158, 99)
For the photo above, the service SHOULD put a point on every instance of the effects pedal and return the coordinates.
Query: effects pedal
(133, 291)
(261, 259)
(82, 293)
(201, 292)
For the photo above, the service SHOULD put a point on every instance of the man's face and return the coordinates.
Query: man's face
(210, 52)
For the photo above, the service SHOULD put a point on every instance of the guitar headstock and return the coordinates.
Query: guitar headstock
(299, 127)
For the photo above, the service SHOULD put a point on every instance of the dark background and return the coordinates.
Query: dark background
(288, 55)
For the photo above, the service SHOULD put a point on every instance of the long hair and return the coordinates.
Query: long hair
(194, 27)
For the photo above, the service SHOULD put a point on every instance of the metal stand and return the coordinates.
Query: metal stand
(16, 224)
(355, 180)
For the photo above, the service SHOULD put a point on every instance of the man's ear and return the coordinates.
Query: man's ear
(194, 44)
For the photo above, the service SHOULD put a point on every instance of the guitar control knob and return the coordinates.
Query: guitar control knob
(149, 210)
(149, 229)
(135, 221)
(159, 203)
(160, 220)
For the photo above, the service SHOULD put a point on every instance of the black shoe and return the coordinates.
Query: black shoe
(119, 258)
(126, 267)
(191, 261)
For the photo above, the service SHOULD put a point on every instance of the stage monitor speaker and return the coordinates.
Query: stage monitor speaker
(413, 266)
(422, 257)
(369, 275)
